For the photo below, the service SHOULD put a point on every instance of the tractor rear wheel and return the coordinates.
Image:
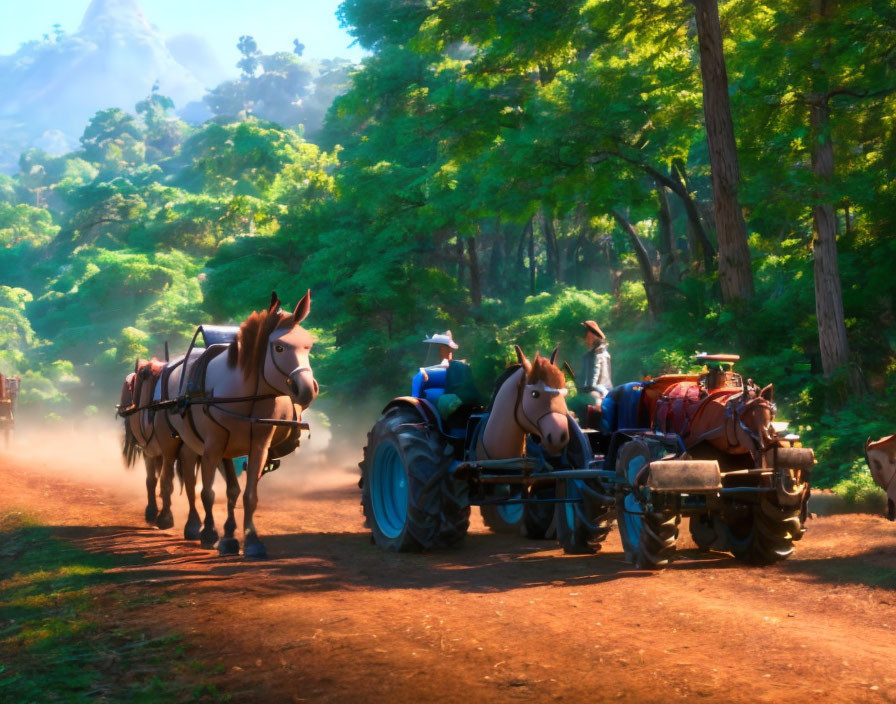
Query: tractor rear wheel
(538, 519)
(707, 532)
(765, 535)
(409, 500)
(648, 525)
(533, 521)
(501, 518)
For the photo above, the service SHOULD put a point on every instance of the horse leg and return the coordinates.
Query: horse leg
(209, 536)
(228, 545)
(252, 546)
(188, 461)
(152, 507)
(165, 519)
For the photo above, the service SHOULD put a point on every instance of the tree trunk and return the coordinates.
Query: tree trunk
(735, 273)
(550, 243)
(520, 269)
(651, 285)
(690, 207)
(532, 267)
(572, 259)
(497, 268)
(461, 259)
(697, 235)
(475, 285)
(832, 340)
(668, 262)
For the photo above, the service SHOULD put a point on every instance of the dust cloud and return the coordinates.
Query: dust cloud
(89, 451)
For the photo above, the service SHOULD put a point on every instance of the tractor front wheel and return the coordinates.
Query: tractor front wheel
(409, 500)
(648, 525)
(583, 517)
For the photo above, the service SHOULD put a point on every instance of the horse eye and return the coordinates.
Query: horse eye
(535, 394)
(278, 348)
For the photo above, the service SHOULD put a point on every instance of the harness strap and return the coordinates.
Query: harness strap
(188, 400)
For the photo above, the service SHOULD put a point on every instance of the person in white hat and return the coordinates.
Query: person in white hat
(454, 386)
(446, 344)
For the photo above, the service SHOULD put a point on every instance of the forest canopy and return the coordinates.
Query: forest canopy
(505, 172)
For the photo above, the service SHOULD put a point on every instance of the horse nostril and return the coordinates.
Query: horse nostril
(562, 437)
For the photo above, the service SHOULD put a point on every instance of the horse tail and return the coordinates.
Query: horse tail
(130, 450)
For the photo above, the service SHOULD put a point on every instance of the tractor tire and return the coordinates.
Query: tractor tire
(706, 532)
(649, 530)
(581, 526)
(538, 519)
(767, 534)
(503, 519)
(410, 502)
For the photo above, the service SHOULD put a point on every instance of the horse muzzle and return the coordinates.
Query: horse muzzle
(554, 431)
(303, 387)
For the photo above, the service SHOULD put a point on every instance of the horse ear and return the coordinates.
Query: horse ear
(136, 365)
(526, 364)
(275, 302)
(767, 392)
(303, 308)
(554, 354)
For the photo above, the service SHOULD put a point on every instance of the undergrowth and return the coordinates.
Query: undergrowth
(54, 647)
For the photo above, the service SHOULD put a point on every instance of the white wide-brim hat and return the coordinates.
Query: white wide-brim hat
(442, 339)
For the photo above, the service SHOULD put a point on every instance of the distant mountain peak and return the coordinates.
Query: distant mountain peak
(114, 16)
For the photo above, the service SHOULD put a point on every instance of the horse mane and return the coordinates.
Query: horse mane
(248, 349)
(544, 371)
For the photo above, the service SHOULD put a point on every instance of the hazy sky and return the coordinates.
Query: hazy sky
(273, 24)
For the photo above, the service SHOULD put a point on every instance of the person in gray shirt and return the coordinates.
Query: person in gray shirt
(594, 380)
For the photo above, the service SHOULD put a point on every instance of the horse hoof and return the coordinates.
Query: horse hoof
(228, 546)
(255, 550)
(165, 520)
(208, 537)
(151, 514)
(191, 533)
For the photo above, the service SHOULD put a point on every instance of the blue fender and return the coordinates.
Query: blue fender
(426, 410)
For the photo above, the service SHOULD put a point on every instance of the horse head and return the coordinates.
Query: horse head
(541, 405)
(146, 372)
(274, 345)
(753, 414)
(127, 391)
(881, 459)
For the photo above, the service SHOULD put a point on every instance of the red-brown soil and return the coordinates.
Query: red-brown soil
(330, 617)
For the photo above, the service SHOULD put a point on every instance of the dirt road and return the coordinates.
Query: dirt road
(329, 617)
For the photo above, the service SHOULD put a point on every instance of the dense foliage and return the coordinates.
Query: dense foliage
(503, 172)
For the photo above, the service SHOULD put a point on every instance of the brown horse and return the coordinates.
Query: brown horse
(881, 458)
(265, 375)
(531, 400)
(159, 449)
(734, 420)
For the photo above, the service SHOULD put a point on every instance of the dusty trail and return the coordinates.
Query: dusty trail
(332, 618)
